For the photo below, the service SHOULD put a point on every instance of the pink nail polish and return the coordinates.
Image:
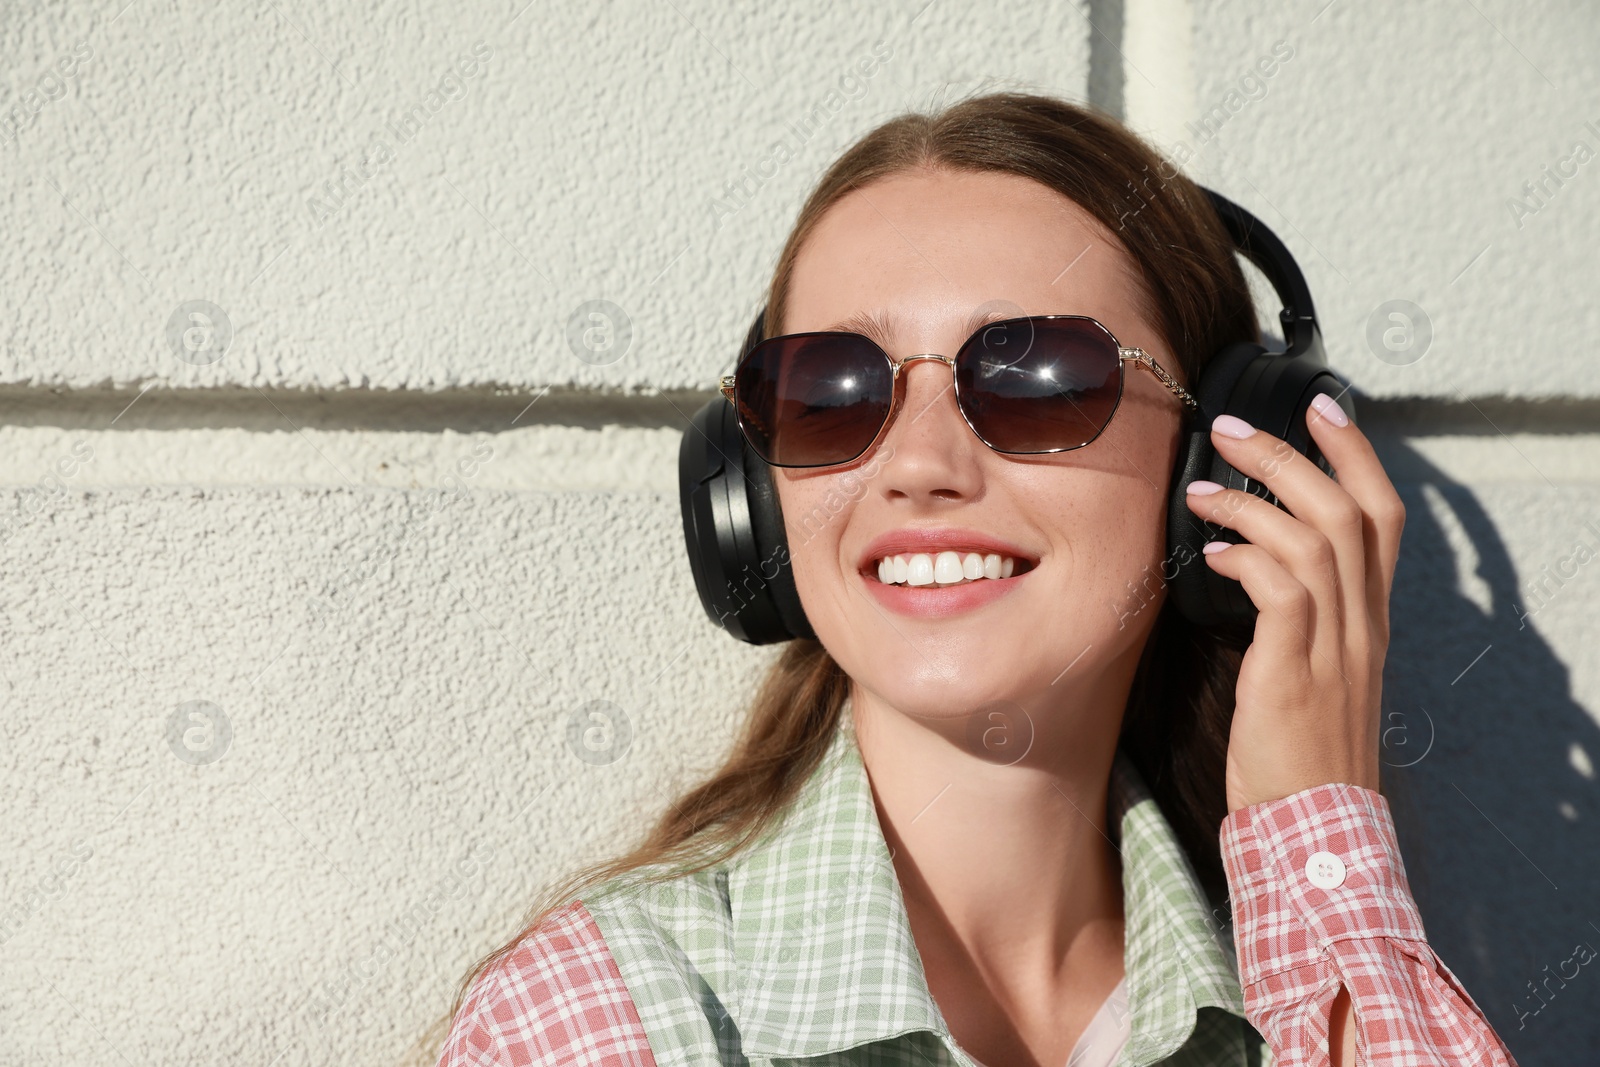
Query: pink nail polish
(1229, 426)
(1329, 408)
(1213, 547)
(1201, 487)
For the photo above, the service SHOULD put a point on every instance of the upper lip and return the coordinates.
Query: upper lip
(937, 539)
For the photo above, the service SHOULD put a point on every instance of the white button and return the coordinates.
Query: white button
(1325, 870)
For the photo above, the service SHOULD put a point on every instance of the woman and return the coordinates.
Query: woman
(990, 814)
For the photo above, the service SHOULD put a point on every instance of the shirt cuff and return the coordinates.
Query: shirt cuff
(1320, 899)
(1310, 870)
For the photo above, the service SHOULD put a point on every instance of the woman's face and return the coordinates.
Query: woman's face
(1086, 528)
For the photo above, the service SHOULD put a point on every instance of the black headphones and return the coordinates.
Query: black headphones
(735, 533)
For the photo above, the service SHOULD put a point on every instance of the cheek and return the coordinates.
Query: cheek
(1119, 564)
(1109, 532)
(1108, 528)
(815, 511)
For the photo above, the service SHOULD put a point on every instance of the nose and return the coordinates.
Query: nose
(931, 451)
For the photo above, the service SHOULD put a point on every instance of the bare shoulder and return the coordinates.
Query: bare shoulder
(557, 998)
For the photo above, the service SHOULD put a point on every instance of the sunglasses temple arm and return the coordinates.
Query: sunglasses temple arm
(1146, 360)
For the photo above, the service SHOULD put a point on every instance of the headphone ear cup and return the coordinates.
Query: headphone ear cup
(1270, 390)
(734, 532)
(772, 547)
(1200, 594)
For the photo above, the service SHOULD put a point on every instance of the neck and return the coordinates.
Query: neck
(1009, 874)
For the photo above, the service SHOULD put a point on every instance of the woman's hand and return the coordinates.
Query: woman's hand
(1310, 686)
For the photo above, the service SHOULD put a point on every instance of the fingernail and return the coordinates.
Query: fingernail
(1329, 409)
(1204, 488)
(1213, 547)
(1228, 426)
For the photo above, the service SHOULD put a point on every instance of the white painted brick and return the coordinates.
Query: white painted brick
(582, 161)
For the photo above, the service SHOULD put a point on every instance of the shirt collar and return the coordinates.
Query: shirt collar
(1177, 960)
(825, 956)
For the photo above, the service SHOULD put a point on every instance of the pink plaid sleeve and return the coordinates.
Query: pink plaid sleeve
(1320, 900)
(558, 1000)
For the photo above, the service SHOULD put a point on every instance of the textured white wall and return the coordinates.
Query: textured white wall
(298, 604)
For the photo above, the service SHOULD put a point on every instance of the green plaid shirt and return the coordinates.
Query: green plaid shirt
(799, 948)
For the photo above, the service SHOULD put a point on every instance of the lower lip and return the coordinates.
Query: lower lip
(935, 602)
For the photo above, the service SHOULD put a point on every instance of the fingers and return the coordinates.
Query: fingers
(1286, 616)
(1359, 514)
(1362, 476)
(1319, 570)
(1304, 553)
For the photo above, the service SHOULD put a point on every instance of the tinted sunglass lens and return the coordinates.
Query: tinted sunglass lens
(810, 400)
(1038, 384)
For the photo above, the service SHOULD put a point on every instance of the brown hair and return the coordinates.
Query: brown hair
(1175, 728)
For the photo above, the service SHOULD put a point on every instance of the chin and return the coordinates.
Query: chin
(949, 679)
(949, 670)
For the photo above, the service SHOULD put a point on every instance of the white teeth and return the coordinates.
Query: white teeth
(944, 568)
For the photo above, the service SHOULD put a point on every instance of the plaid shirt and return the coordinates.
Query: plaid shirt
(799, 949)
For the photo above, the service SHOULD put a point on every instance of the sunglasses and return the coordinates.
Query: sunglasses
(1025, 386)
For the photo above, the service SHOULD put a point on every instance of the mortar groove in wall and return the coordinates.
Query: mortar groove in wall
(1107, 78)
(491, 410)
(479, 410)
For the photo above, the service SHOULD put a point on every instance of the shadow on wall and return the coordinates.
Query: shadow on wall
(1490, 771)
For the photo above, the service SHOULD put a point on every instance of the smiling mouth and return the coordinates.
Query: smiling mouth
(941, 570)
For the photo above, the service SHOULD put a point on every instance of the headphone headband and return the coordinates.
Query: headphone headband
(1261, 246)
